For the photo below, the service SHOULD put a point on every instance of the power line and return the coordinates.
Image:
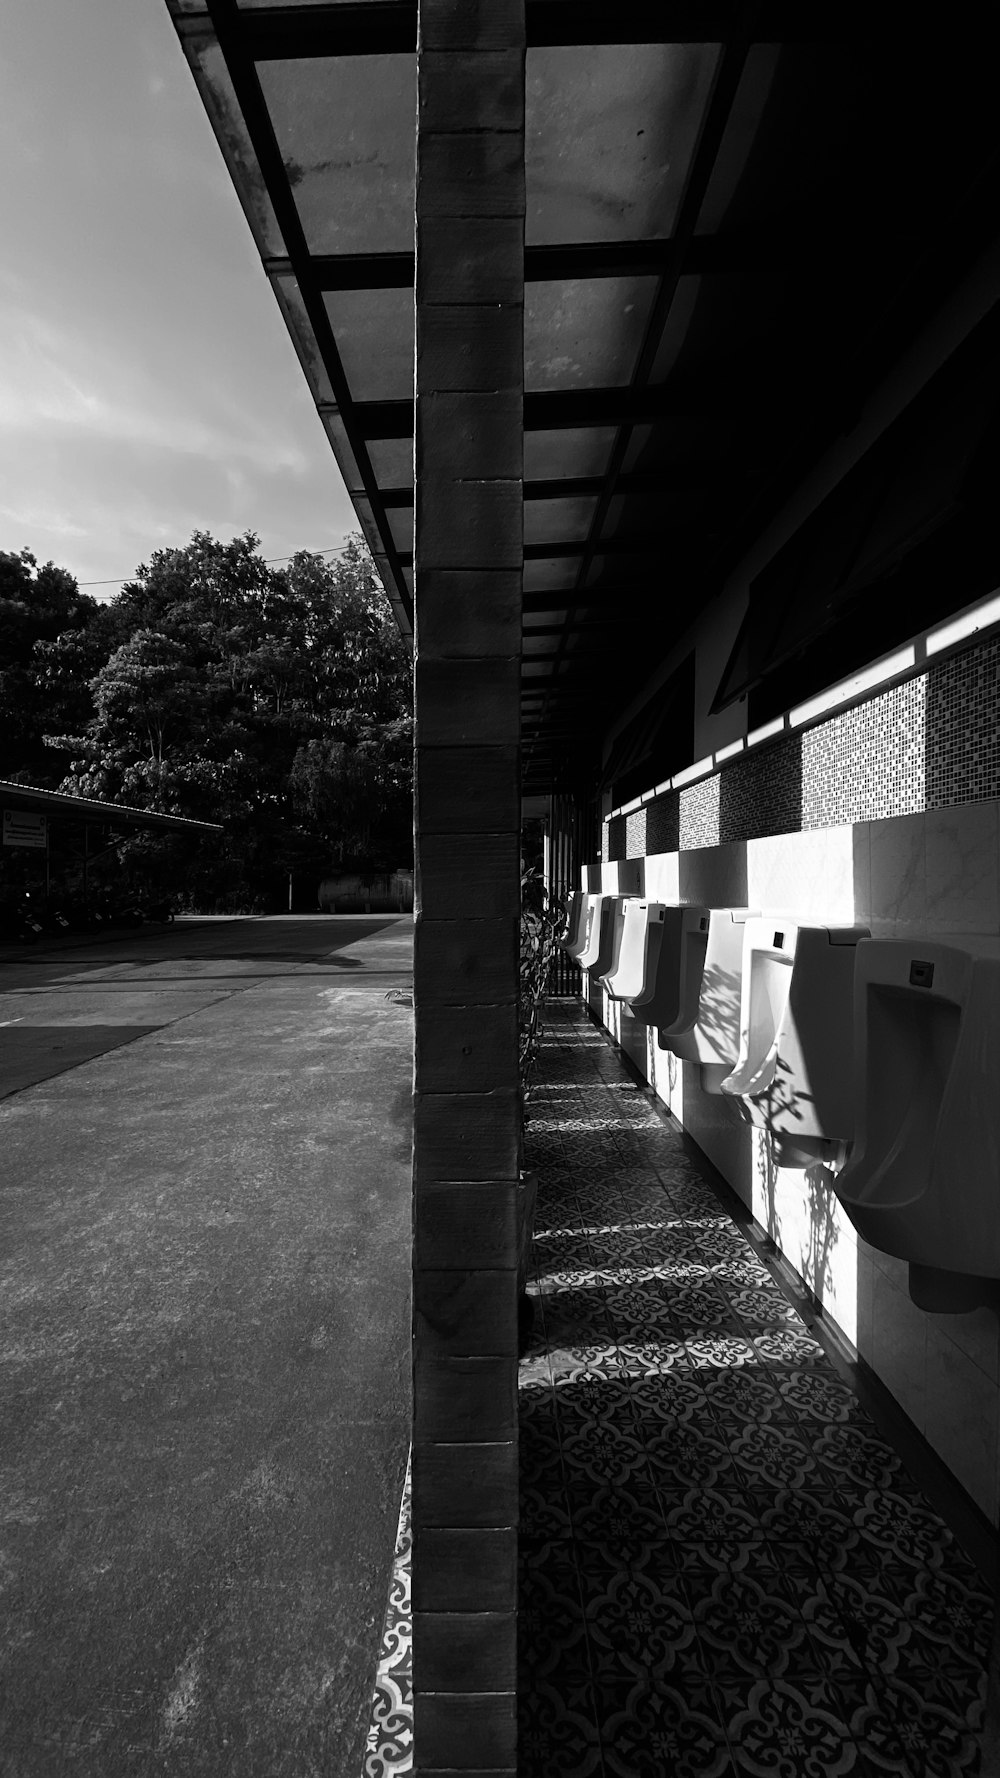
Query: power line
(333, 549)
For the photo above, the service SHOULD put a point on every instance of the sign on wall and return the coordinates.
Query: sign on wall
(25, 830)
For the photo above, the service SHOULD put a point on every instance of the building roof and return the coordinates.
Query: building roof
(732, 228)
(56, 804)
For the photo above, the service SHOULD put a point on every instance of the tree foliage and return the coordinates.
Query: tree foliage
(40, 609)
(275, 701)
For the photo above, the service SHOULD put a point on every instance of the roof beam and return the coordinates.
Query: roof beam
(643, 481)
(612, 598)
(584, 487)
(551, 410)
(389, 27)
(599, 625)
(558, 264)
(650, 544)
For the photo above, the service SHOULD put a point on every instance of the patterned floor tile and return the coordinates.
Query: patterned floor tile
(544, 1513)
(749, 1625)
(743, 1396)
(759, 1587)
(652, 1730)
(788, 1346)
(705, 1514)
(760, 1299)
(787, 1729)
(824, 1523)
(389, 1748)
(557, 1731)
(857, 1454)
(634, 1305)
(722, 1351)
(952, 1612)
(901, 1529)
(689, 1454)
(900, 1729)
(639, 1623)
(616, 1515)
(551, 1628)
(670, 1396)
(818, 1395)
(773, 1454)
(701, 1308)
(603, 1453)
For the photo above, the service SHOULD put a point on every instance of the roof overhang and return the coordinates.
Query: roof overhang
(732, 230)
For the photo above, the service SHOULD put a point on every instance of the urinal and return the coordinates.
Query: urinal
(659, 966)
(601, 955)
(589, 909)
(576, 914)
(923, 1179)
(595, 930)
(707, 1028)
(794, 1074)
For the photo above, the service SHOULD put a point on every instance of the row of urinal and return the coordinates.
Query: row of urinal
(878, 1057)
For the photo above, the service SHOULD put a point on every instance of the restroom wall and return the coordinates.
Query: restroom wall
(897, 828)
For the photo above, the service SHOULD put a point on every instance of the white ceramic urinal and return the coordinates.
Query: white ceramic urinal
(795, 1071)
(576, 915)
(923, 1179)
(589, 919)
(604, 960)
(640, 930)
(707, 1030)
(596, 931)
(660, 962)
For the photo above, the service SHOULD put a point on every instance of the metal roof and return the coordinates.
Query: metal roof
(732, 227)
(94, 813)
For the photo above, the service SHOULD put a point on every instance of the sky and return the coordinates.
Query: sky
(148, 387)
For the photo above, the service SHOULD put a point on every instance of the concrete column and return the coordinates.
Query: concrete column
(467, 554)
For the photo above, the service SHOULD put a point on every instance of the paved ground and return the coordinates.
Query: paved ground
(204, 1345)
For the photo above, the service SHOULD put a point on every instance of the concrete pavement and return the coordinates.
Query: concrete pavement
(204, 1345)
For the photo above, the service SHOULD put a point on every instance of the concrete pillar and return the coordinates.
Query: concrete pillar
(467, 555)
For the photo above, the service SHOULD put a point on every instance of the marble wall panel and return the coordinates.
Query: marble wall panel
(961, 884)
(809, 875)
(898, 876)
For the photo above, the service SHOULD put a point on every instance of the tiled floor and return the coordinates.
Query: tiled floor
(390, 1734)
(725, 1569)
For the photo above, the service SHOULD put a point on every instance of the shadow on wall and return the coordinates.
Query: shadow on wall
(814, 1262)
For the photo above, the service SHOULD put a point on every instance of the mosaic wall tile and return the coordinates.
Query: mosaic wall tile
(931, 742)
(699, 814)
(725, 1568)
(636, 845)
(963, 734)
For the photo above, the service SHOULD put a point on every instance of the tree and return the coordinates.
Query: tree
(276, 702)
(38, 608)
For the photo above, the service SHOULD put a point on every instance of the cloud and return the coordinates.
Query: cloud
(147, 384)
(102, 507)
